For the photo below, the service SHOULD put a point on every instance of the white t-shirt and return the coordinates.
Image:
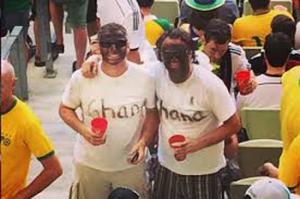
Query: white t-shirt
(238, 61)
(266, 95)
(121, 100)
(192, 108)
(126, 13)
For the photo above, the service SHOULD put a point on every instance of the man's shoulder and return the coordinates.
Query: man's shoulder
(235, 49)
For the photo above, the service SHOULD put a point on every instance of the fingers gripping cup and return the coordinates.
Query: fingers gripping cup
(177, 139)
(242, 78)
(99, 125)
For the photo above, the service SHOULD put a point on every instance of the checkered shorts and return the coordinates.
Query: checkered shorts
(169, 185)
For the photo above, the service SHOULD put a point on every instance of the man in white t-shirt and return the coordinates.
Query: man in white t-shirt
(277, 49)
(123, 93)
(126, 13)
(192, 102)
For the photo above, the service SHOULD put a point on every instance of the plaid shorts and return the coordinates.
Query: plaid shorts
(169, 185)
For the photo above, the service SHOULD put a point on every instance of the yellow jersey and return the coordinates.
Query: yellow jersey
(251, 30)
(21, 136)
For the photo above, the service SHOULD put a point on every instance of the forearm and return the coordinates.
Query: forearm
(70, 117)
(150, 126)
(49, 174)
(225, 131)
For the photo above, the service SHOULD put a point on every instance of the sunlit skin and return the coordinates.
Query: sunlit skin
(176, 59)
(214, 50)
(7, 85)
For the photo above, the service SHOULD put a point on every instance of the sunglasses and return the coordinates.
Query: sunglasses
(119, 43)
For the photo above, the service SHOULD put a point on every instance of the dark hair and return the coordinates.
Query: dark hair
(200, 19)
(218, 31)
(175, 33)
(145, 3)
(284, 24)
(277, 48)
(259, 4)
(110, 29)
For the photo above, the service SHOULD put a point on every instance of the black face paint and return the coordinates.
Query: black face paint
(176, 60)
(113, 48)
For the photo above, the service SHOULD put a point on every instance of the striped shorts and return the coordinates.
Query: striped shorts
(169, 185)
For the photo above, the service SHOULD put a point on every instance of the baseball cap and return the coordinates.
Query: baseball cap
(269, 188)
(205, 5)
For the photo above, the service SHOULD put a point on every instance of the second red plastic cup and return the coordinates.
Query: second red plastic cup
(175, 139)
(242, 77)
(99, 125)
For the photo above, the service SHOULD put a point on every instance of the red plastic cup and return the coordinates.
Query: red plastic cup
(175, 139)
(99, 125)
(242, 77)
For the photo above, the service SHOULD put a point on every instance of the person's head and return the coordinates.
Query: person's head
(200, 19)
(8, 81)
(259, 4)
(216, 39)
(175, 50)
(123, 193)
(277, 47)
(113, 43)
(268, 188)
(145, 3)
(205, 5)
(283, 23)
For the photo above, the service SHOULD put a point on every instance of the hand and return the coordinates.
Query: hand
(89, 68)
(268, 169)
(95, 139)
(248, 86)
(190, 145)
(137, 153)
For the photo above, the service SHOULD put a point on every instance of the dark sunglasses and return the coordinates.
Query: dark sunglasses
(119, 43)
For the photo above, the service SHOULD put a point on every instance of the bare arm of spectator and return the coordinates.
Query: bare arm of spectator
(70, 117)
(229, 127)
(148, 133)
(51, 171)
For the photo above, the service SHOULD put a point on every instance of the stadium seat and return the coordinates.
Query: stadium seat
(261, 123)
(168, 9)
(254, 153)
(251, 50)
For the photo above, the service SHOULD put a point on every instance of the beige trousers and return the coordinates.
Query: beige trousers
(91, 183)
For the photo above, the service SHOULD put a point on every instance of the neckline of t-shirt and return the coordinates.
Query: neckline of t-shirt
(273, 75)
(122, 76)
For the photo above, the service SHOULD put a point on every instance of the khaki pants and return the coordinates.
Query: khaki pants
(91, 183)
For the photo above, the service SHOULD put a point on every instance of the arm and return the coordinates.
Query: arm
(231, 147)
(70, 117)
(225, 131)
(134, 56)
(149, 131)
(51, 171)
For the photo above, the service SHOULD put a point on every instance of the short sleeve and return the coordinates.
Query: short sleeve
(150, 93)
(71, 95)
(220, 100)
(290, 165)
(37, 141)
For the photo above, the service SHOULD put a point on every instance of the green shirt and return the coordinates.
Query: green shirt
(16, 5)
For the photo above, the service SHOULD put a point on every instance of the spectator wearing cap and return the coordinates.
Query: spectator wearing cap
(269, 188)
(223, 9)
(254, 34)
